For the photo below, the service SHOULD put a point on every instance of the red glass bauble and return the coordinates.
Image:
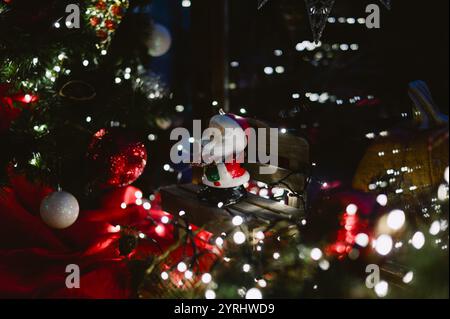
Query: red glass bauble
(116, 157)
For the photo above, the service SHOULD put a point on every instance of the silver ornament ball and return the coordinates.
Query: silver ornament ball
(59, 210)
(160, 41)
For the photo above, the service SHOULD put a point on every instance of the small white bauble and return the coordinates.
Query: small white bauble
(59, 210)
(160, 41)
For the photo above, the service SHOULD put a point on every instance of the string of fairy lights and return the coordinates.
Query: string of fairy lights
(392, 234)
(47, 73)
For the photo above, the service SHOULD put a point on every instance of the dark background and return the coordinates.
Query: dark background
(412, 44)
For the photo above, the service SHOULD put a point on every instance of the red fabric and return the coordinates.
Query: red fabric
(33, 257)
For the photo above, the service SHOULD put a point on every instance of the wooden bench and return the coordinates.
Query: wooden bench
(292, 171)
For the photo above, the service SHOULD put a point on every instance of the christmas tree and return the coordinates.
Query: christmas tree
(93, 205)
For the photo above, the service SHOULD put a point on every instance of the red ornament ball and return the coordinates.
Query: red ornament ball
(117, 158)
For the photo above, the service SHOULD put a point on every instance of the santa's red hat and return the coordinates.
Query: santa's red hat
(241, 121)
(230, 120)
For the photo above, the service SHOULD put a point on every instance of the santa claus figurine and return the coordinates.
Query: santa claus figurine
(224, 177)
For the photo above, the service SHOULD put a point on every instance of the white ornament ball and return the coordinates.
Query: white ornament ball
(160, 41)
(59, 210)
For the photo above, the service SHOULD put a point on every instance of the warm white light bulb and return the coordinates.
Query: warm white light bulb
(182, 267)
(219, 241)
(260, 235)
(446, 175)
(246, 268)
(188, 274)
(435, 228)
(206, 278)
(316, 254)
(396, 219)
(237, 221)
(381, 289)
(210, 294)
(352, 209)
(382, 200)
(253, 293)
(165, 220)
(418, 240)
(362, 239)
(384, 245)
(239, 238)
(262, 283)
(164, 275)
(408, 277)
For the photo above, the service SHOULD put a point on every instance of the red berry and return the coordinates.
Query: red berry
(102, 35)
(116, 10)
(101, 5)
(95, 21)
